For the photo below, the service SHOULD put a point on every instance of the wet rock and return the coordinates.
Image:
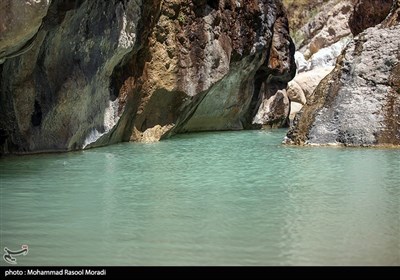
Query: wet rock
(233, 102)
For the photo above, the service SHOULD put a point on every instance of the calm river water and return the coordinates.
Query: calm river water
(225, 198)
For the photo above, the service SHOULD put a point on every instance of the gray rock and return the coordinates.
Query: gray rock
(359, 102)
(19, 22)
(58, 96)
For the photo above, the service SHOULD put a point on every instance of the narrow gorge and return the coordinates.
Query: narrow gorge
(78, 74)
(199, 133)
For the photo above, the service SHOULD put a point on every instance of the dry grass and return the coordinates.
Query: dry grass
(301, 11)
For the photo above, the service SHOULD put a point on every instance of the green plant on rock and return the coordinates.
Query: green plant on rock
(181, 18)
(298, 37)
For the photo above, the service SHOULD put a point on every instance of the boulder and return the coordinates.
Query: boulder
(295, 92)
(295, 108)
(308, 81)
(274, 111)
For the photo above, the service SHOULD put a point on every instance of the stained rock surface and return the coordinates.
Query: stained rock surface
(102, 72)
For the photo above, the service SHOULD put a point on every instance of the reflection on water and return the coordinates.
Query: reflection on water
(204, 199)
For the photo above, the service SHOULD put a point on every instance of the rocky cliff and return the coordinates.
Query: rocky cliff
(320, 40)
(358, 104)
(77, 74)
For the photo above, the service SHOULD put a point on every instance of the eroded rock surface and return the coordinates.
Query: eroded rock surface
(358, 104)
(101, 72)
(321, 39)
(329, 26)
(58, 96)
(19, 23)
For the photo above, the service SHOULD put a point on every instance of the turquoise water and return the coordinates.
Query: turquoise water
(226, 198)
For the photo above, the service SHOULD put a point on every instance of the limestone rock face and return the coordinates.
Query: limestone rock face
(204, 66)
(101, 72)
(310, 73)
(19, 22)
(299, 12)
(59, 95)
(358, 104)
(328, 27)
(274, 111)
(320, 41)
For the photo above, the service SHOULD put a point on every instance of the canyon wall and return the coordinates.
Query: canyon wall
(76, 74)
